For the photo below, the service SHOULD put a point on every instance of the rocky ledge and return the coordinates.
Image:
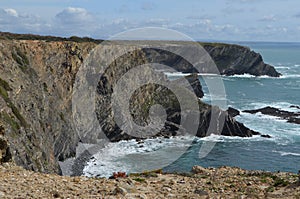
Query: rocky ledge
(223, 182)
(291, 117)
(230, 59)
(235, 59)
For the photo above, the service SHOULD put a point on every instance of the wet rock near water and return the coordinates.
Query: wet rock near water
(233, 112)
(291, 117)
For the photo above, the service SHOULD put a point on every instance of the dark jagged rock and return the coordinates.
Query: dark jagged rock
(153, 94)
(294, 106)
(229, 59)
(266, 136)
(233, 112)
(235, 59)
(291, 117)
(5, 154)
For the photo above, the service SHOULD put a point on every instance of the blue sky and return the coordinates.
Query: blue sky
(236, 20)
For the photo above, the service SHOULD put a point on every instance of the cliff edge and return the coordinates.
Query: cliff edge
(36, 87)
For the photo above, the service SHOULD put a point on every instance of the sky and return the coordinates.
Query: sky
(221, 20)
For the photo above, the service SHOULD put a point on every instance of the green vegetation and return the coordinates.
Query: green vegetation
(147, 174)
(139, 179)
(18, 114)
(62, 117)
(280, 182)
(9, 120)
(214, 44)
(12, 36)
(21, 59)
(4, 93)
(277, 181)
(4, 87)
(270, 189)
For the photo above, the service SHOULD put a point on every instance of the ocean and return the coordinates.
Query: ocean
(243, 92)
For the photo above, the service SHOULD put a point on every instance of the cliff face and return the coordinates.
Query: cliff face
(235, 59)
(230, 60)
(36, 86)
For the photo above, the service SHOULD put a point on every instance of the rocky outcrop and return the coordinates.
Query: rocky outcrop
(291, 117)
(222, 182)
(235, 59)
(36, 82)
(229, 59)
(36, 87)
(147, 96)
(233, 112)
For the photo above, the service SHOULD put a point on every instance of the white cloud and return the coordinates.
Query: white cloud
(269, 18)
(75, 21)
(12, 21)
(11, 12)
(73, 15)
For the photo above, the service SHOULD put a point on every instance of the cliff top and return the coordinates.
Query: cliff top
(224, 182)
(14, 36)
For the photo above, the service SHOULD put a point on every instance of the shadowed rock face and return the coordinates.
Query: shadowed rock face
(229, 59)
(5, 155)
(153, 94)
(36, 86)
(235, 59)
(291, 117)
(233, 112)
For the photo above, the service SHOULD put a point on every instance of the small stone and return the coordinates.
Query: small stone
(120, 190)
(198, 169)
(200, 192)
(172, 182)
(166, 189)
(56, 194)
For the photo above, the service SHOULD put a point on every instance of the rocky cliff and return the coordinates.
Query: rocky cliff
(235, 59)
(230, 60)
(36, 86)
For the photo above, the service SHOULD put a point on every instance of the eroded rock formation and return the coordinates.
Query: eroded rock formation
(36, 86)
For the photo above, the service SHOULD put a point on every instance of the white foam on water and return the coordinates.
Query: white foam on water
(282, 132)
(176, 74)
(261, 116)
(232, 77)
(282, 67)
(284, 153)
(243, 76)
(131, 156)
(222, 138)
(287, 76)
(285, 106)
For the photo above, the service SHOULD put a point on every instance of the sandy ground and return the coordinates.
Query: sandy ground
(224, 182)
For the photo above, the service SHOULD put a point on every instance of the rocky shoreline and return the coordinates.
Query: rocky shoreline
(223, 182)
(289, 116)
(37, 86)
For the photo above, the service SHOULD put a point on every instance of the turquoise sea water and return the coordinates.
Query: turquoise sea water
(281, 152)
